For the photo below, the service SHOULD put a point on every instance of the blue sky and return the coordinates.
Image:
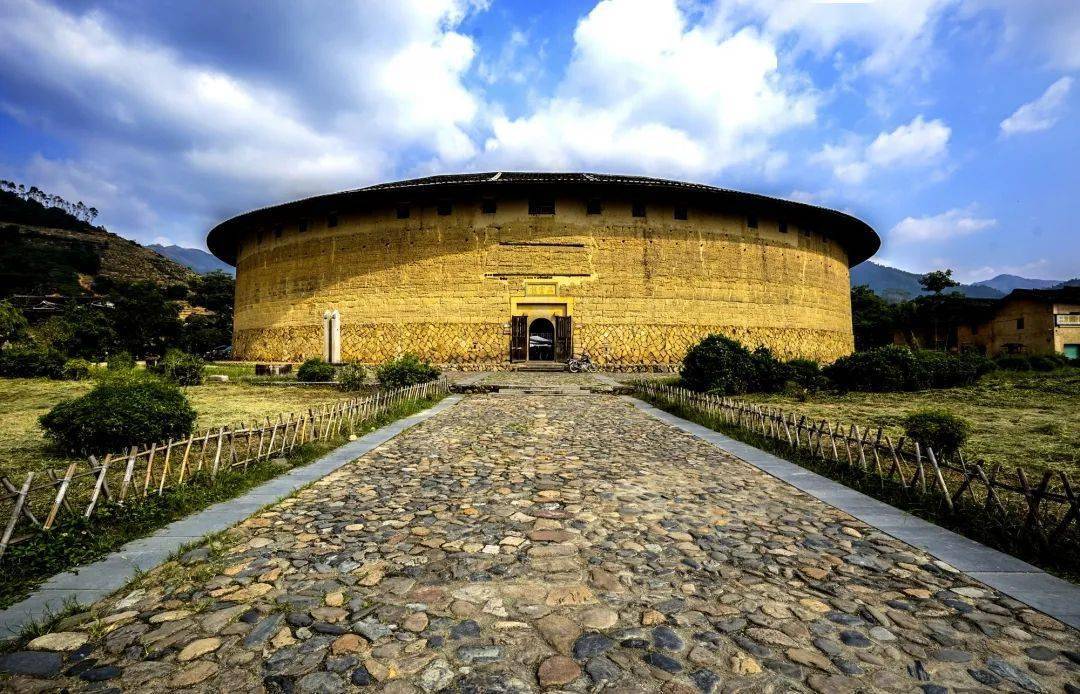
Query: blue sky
(951, 126)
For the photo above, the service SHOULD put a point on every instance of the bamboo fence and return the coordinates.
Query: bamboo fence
(141, 472)
(1042, 510)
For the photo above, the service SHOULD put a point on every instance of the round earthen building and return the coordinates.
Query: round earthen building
(482, 270)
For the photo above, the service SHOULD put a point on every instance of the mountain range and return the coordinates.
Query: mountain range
(894, 284)
(198, 260)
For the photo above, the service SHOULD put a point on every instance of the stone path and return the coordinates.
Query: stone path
(513, 544)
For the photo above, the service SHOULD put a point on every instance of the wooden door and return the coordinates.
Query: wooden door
(519, 338)
(564, 338)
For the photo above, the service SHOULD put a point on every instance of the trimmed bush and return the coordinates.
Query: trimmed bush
(979, 362)
(180, 367)
(1043, 363)
(121, 361)
(940, 429)
(31, 361)
(352, 377)
(315, 370)
(76, 370)
(718, 364)
(879, 370)
(770, 374)
(123, 410)
(406, 370)
(1013, 362)
(946, 370)
(806, 374)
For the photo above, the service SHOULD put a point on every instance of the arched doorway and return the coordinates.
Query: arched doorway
(541, 340)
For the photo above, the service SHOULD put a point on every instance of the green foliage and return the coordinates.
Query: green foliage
(31, 361)
(33, 263)
(945, 370)
(180, 367)
(938, 281)
(882, 369)
(124, 409)
(406, 370)
(1014, 362)
(149, 321)
(12, 323)
(315, 370)
(352, 377)
(120, 361)
(806, 374)
(76, 370)
(718, 364)
(203, 333)
(939, 429)
(80, 331)
(873, 319)
(214, 291)
(981, 364)
(1043, 363)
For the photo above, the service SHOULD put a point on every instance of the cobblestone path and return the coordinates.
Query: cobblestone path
(513, 544)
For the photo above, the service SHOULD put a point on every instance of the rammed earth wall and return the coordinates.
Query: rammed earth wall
(639, 290)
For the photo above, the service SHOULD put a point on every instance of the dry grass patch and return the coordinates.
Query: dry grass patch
(23, 447)
(1027, 419)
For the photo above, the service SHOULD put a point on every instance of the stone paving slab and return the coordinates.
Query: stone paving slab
(1014, 577)
(96, 581)
(569, 544)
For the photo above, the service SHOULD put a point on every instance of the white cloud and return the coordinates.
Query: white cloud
(918, 143)
(145, 115)
(1049, 30)
(1040, 114)
(947, 225)
(646, 90)
(890, 37)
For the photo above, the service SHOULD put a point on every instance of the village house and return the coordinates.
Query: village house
(1029, 321)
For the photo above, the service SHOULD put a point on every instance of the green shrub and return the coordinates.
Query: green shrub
(76, 370)
(121, 361)
(31, 361)
(406, 370)
(315, 370)
(879, 370)
(945, 370)
(939, 429)
(718, 364)
(806, 374)
(180, 367)
(124, 409)
(981, 364)
(1043, 363)
(1013, 362)
(770, 374)
(352, 377)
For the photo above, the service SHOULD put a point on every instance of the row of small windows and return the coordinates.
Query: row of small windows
(537, 206)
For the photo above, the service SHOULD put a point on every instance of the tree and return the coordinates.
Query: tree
(147, 323)
(85, 332)
(938, 281)
(214, 291)
(873, 319)
(12, 323)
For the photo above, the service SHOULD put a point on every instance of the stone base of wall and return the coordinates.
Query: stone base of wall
(463, 345)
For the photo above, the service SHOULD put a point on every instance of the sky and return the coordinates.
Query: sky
(951, 126)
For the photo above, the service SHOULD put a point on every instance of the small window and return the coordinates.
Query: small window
(593, 206)
(637, 209)
(751, 221)
(258, 236)
(1020, 323)
(975, 330)
(277, 231)
(444, 207)
(302, 226)
(681, 212)
(804, 233)
(403, 211)
(331, 220)
(782, 226)
(487, 206)
(541, 206)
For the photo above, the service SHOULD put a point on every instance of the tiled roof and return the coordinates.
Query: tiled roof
(856, 236)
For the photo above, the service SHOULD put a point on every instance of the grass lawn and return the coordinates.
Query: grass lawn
(1028, 419)
(23, 400)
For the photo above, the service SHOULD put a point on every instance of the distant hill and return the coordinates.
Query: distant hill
(44, 250)
(198, 260)
(1007, 283)
(899, 285)
(1074, 282)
